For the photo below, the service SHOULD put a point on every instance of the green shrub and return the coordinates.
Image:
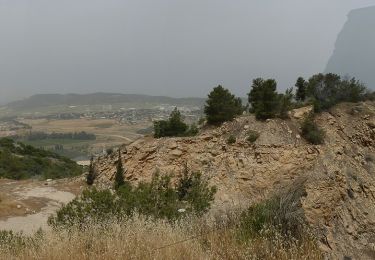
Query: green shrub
(109, 151)
(281, 213)
(91, 206)
(311, 131)
(175, 126)
(327, 90)
(191, 188)
(231, 139)
(15, 242)
(252, 136)
(160, 128)
(257, 218)
(157, 199)
(193, 130)
(11, 239)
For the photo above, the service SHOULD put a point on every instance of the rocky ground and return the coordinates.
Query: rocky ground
(338, 177)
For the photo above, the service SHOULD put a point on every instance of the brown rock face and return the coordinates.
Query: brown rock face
(340, 175)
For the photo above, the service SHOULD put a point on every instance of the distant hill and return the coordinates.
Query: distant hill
(354, 52)
(47, 100)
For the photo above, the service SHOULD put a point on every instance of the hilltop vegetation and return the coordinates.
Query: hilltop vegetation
(20, 161)
(174, 126)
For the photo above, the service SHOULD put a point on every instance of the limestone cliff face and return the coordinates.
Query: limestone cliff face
(339, 176)
(354, 52)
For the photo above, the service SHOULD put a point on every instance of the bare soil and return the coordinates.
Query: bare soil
(26, 205)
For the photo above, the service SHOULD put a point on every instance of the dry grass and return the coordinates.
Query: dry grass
(145, 239)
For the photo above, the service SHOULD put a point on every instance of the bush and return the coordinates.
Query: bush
(192, 131)
(327, 90)
(109, 151)
(160, 128)
(173, 127)
(91, 206)
(196, 192)
(231, 139)
(252, 136)
(311, 132)
(222, 106)
(14, 242)
(281, 213)
(157, 199)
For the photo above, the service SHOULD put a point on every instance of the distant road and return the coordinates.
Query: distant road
(117, 136)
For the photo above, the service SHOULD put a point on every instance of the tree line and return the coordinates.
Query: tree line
(35, 136)
(321, 90)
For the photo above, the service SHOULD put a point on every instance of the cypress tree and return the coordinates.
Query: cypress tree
(301, 89)
(90, 178)
(119, 178)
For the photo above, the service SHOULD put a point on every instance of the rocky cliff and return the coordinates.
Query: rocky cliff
(338, 177)
(354, 52)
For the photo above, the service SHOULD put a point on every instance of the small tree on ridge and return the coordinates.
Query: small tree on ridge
(222, 106)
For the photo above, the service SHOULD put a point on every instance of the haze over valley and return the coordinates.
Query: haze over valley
(166, 130)
(163, 48)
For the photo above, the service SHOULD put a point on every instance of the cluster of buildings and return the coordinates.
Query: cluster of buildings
(10, 127)
(129, 115)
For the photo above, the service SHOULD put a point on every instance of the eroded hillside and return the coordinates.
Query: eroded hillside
(338, 177)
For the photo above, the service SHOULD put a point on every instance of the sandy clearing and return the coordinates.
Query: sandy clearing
(36, 201)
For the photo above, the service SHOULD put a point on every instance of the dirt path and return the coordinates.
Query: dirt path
(26, 205)
(116, 136)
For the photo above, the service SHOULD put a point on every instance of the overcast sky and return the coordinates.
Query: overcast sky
(163, 47)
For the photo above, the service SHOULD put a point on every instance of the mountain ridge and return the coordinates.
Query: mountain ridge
(354, 53)
(98, 98)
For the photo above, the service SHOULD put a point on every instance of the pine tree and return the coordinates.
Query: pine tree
(119, 177)
(176, 125)
(90, 178)
(264, 99)
(301, 89)
(222, 106)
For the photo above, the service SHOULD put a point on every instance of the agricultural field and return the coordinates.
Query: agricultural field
(109, 133)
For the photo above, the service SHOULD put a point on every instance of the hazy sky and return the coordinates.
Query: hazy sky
(163, 47)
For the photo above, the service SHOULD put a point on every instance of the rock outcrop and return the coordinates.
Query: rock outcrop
(339, 176)
(354, 53)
